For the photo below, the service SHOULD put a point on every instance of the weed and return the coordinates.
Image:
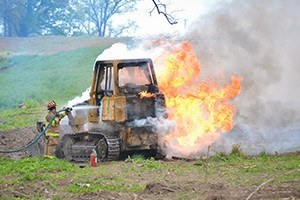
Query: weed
(152, 164)
(236, 151)
(137, 158)
(102, 185)
(220, 157)
(53, 185)
(36, 164)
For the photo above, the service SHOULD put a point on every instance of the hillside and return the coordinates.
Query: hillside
(45, 68)
(47, 45)
(36, 70)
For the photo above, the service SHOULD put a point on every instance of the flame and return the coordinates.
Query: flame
(202, 110)
(145, 94)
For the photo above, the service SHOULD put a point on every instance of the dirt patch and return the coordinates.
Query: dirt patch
(288, 190)
(157, 189)
(104, 195)
(16, 138)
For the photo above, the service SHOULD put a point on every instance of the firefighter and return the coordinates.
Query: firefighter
(52, 134)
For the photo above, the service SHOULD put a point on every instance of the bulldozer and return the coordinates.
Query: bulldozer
(124, 94)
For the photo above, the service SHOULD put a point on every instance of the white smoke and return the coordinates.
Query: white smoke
(258, 40)
(77, 100)
(122, 51)
(162, 126)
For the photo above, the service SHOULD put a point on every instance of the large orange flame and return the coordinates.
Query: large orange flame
(201, 109)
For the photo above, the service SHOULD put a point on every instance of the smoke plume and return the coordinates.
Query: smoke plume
(258, 40)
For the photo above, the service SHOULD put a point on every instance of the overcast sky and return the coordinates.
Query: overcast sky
(185, 11)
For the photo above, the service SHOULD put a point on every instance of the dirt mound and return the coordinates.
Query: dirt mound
(156, 188)
(104, 195)
(288, 190)
(16, 138)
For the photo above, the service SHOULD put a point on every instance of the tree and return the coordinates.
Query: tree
(95, 17)
(9, 14)
(33, 17)
(99, 14)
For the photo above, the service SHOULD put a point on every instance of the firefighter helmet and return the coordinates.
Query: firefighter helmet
(51, 105)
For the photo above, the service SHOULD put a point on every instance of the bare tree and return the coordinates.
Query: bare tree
(100, 13)
(162, 9)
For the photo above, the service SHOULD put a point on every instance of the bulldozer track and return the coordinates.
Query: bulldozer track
(113, 150)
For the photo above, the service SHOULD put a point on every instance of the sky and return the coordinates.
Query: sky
(185, 11)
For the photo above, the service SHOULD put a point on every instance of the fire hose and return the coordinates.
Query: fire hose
(36, 138)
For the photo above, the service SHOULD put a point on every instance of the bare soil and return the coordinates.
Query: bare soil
(16, 138)
(173, 186)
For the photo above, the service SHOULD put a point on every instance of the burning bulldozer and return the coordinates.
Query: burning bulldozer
(122, 91)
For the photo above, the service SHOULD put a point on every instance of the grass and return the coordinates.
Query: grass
(132, 176)
(60, 76)
(34, 71)
(266, 166)
(11, 118)
(34, 165)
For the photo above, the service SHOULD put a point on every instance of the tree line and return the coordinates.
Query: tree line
(24, 18)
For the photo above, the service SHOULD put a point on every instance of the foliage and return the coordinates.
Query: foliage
(65, 17)
(33, 17)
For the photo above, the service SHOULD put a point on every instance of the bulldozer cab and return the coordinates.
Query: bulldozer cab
(115, 83)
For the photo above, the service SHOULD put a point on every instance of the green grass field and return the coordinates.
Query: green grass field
(60, 76)
(37, 70)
